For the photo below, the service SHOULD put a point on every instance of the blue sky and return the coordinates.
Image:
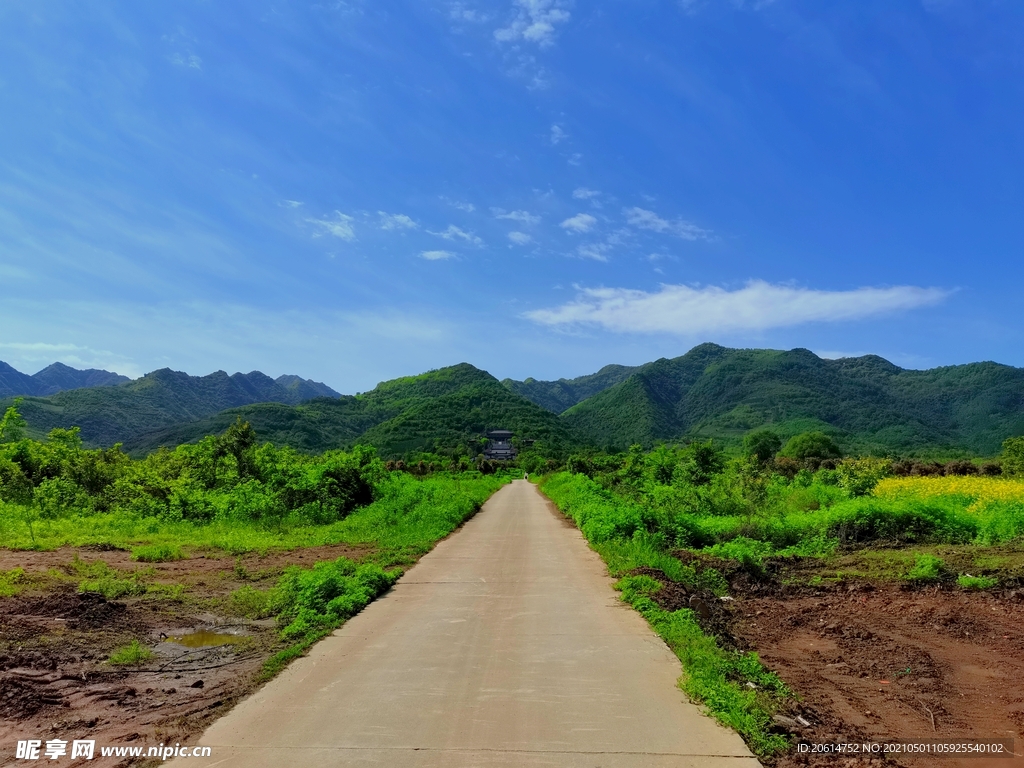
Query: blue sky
(353, 191)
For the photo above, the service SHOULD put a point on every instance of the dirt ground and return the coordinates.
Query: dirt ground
(55, 681)
(878, 661)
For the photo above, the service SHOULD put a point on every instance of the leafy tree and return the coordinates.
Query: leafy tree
(12, 425)
(762, 445)
(701, 462)
(1013, 456)
(811, 445)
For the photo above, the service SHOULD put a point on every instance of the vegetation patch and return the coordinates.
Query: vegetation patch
(133, 653)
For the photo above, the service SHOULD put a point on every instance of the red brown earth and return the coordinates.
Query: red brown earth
(54, 642)
(877, 661)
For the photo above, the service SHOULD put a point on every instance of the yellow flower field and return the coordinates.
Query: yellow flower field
(974, 492)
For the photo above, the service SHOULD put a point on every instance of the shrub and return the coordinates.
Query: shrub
(811, 445)
(976, 582)
(927, 568)
(254, 603)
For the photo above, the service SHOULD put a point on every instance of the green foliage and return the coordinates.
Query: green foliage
(762, 445)
(11, 582)
(1013, 456)
(858, 477)
(966, 581)
(254, 603)
(12, 425)
(927, 568)
(328, 593)
(811, 445)
(133, 653)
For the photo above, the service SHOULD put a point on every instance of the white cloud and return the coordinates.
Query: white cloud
(581, 222)
(396, 221)
(557, 134)
(340, 226)
(436, 255)
(520, 238)
(454, 233)
(595, 251)
(290, 204)
(758, 306)
(644, 219)
(575, 159)
(534, 22)
(582, 193)
(459, 204)
(524, 217)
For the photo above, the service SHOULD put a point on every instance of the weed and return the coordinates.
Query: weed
(976, 582)
(11, 582)
(157, 553)
(253, 603)
(133, 653)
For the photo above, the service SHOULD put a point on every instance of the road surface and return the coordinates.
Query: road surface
(505, 646)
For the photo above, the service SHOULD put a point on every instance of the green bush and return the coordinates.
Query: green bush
(11, 582)
(927, 568)
(976, 582)
(253, 603)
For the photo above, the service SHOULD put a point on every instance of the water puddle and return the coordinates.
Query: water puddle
(204, 639)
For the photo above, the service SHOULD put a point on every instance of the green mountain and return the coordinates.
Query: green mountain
(559, 396)
(112, 414)
(446, 408)
(866, 402)
(52, 379)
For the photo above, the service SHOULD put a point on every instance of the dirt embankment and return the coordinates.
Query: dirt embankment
(878, 661)
(55, 681)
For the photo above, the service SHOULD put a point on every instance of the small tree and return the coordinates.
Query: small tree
(12, 425)
(762, 445)
(1013, 456)
(811, 445)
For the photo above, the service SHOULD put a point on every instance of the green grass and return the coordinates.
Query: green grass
(11, 582)
(133, 653)
(157, 553)
(967, 581)
(927, 568)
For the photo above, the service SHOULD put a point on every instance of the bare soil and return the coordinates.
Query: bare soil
(876, 661)
(55, 681)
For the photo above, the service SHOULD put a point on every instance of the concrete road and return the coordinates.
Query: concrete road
(505, 646)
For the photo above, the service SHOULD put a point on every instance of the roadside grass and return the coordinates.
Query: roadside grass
(157, 553)
(712, 675)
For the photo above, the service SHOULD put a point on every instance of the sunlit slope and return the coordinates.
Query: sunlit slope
(869, 403)
(443, 408)
(558, 396)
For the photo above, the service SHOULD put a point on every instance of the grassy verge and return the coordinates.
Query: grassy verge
(713, 676)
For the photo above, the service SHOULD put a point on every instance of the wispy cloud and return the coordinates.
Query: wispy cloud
(459, 12)
(339, 226)
(534, 22)
(595, 251)
(558, 134)
(581, 222)
(644, 219)
(396, 221)
(758, 306)
(524, 217)
(436, 255)
(459, 204)
(290, 204)
(520, 238)
(454, 233)
(582, 193)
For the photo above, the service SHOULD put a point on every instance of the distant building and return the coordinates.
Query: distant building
(499, 445)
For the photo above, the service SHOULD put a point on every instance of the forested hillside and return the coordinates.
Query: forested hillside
(867, 403)
(446, 409)
(111, 414)
(558, 396)
(52, 379)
